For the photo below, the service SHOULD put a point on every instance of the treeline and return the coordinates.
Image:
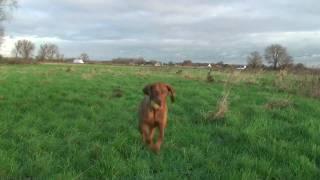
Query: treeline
(24, 52)
(275, 57)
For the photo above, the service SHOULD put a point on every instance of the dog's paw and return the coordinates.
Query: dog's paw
(155, 148)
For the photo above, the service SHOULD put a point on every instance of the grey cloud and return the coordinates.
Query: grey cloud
(166, 29)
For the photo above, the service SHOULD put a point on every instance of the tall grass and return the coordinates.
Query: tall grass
(305, 83)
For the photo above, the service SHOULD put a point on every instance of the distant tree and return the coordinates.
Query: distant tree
(53, 51)
(299, 66)
(17, 49)
(5, 10)
(287, 62)
(220, 63)
(48, 51)
(254, 60)
(42, 53)
(84, 56)
(152, 62)
(187, 63)
(60, 57)
(23, 49)
(277, 56)
(170, 63)
(139, 61)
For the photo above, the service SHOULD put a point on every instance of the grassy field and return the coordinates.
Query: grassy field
(80, 122)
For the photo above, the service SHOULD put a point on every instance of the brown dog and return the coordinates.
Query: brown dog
(153, 113)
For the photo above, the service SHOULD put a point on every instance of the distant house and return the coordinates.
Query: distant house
(241, 67)
(78, 61)
(157, 64)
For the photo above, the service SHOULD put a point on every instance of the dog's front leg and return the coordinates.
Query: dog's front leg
(144, 133)
(157, 146)
(150, 137)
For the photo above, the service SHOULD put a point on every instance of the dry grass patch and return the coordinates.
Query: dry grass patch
(307, 84)
(70, 69)
(223, 104)
(2, 98)
(89, 75)
(44, 82)
(315, 86)
(220, 111)
(117, 92)
(279, 104)
(210, 76)
(233, 77)
(190, 77)
(283, 73)
(47, 74)
(179, 71)
(222, 108)
(142, 74)
(315, 93)
(249, 78)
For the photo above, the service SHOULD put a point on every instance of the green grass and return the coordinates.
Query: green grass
(65, 122)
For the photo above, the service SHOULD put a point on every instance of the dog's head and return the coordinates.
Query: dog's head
(158, 93)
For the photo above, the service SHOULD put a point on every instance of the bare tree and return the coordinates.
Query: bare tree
(84, 56)
(60, 57)
(287, 62)
(277, 55)
(48, 51)
(23, 49)
(187, 63)
(5, 8)
(42, 53)
(254, 60)
(16, 49)
(53, 51)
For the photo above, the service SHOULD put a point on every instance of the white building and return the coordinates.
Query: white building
(78, 61)
(157, 64)
(242, 67)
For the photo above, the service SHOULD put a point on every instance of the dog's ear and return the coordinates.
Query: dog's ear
(147, 89)
(172, 92)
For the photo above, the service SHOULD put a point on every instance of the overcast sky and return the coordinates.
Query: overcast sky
(201, 30)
